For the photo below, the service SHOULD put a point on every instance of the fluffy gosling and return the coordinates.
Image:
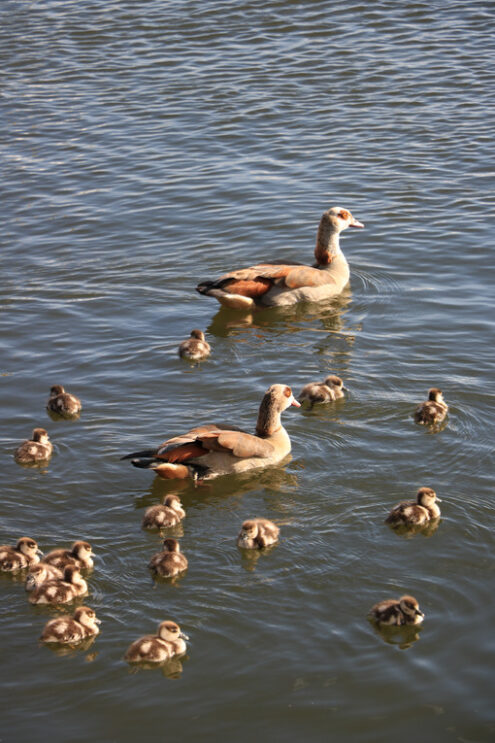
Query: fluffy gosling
(168, 641)
(257, 533)
(397, 612)
(81, 625)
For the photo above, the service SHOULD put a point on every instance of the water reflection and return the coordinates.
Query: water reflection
(56, 417)
(69, 650)
(427, 530)
(171, 669)
(293, 319)
(249, 558)
(275, 479)
(401, 637)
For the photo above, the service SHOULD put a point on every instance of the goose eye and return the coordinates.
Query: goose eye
(287, 392)
(344, 215)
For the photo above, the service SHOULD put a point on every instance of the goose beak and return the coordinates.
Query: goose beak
(296, 403)
(355, 223)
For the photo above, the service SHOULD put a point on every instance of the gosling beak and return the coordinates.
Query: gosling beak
(438, 500)
(419, 613)
(355, 223)
(97, 621)
(344, 389)
(183, 635)
(40, 553)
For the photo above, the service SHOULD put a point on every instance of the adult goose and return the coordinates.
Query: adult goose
(276, 284)
(211, 450)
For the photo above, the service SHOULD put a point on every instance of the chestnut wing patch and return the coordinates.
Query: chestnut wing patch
(255, 281)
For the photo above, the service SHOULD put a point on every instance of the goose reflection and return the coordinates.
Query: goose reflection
(294, 318)
(273, 479)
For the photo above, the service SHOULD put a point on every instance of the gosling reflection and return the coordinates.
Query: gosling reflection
(402, 637)
(171, 669)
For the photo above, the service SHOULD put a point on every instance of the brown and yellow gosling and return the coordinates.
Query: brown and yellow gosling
(168, 641)
(73, 629)
(397, 612)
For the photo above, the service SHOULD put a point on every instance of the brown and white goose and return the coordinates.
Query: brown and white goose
(60, 591)
(257, 533)
(210, 450)
(170, 561)
(415, 513)
(25, 554)
(397, 611)
(168, 641)
(79, 554)
(432, 410)
(287, 283)
(73, 629)
(63, 403)
(195, 348)
(331, 389)
(37, 449)
(163, 516)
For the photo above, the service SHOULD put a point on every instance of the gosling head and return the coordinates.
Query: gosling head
(170, 631)
(72, 574)
(435, 395)
(81, 550)
(172, 501)
(426, 497)
(57, 389)
(410, 607)
(171, 545)
(87, 617)
(29, 548)
(40, 436)
(249, 530)
(198, 334)
(335, 382)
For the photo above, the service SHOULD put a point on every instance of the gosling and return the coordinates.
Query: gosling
(79, 555)
(168, 641)
(60, 591)
(63, 403)
(170, 562)
(81, 625)
(35, 450)
(415, 513)
(331, 389)
(432, 410)
(160, 517)
(257, 533)
(195, 348)
(40, 573)
(397, 612)
(25, 554)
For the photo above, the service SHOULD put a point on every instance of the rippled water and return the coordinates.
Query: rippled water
(147, 146)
